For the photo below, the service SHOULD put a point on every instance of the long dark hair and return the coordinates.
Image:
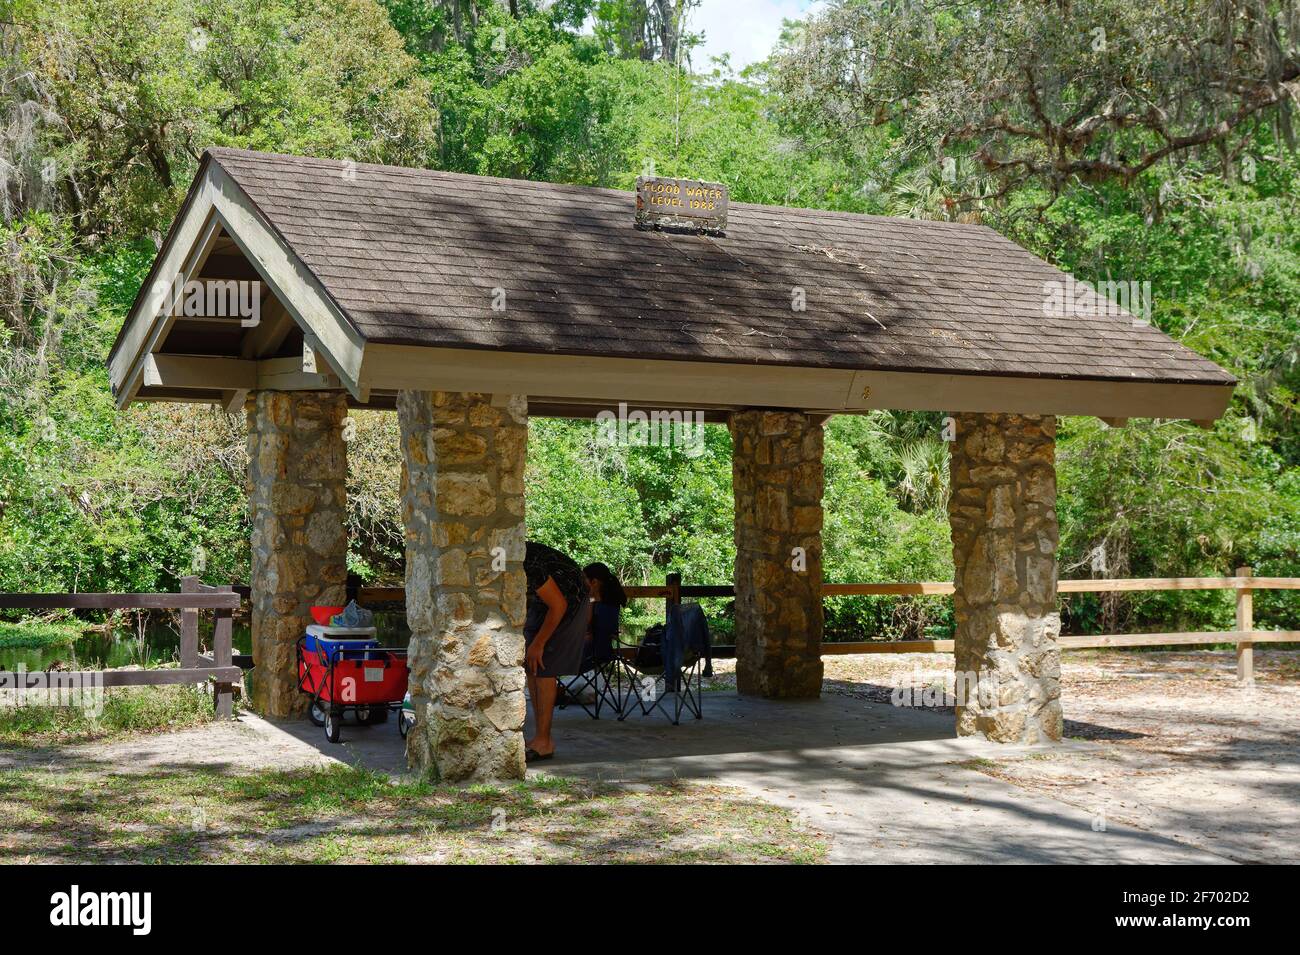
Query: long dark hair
(611, 591)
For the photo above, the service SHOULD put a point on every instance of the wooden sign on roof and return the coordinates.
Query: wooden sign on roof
(681, 205)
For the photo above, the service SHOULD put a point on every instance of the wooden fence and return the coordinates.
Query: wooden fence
(224, 601)
(194, 667)
(1245, 636)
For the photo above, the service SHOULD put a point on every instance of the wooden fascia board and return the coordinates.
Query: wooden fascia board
(682, 383)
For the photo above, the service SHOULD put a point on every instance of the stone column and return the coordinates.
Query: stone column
(297, 499)
(1004, 537)
(463, 506)
(777, 480)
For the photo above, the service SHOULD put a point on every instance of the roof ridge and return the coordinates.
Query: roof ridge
(610, 191)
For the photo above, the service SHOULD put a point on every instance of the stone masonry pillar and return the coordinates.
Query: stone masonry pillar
(777, 480)
(1004, 537)
(297, 497)
(463, 506)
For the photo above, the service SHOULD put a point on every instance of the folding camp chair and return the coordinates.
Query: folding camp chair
(598, 685)
(671, 681)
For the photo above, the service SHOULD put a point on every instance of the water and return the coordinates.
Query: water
(159, 643)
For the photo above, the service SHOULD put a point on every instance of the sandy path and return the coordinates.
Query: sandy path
(248, 744)
(1181, 750)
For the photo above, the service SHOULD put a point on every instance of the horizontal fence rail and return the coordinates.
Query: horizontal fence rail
(1244, 583)
(181, 601)
(1116, 585)
(195, 667)
(942, 589)
(219, 667)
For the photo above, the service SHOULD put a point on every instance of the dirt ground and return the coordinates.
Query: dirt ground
(1173, 744)
(250, 792)
(1167, 743)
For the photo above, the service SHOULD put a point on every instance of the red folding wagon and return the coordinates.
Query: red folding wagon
(345, 670)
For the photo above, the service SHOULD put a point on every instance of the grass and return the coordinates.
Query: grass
(125, 711)
(37, 634)
(351, 815)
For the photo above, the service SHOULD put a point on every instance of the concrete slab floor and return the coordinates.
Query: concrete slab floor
(887, 784)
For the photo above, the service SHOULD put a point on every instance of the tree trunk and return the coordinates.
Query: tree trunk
(667, 14)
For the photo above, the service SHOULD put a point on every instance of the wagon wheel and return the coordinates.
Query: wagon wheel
(403, 726)
(364, 714)
(333, 724)
(316, 713)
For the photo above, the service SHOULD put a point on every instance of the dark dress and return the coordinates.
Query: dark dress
(604, 631)
(563, 653)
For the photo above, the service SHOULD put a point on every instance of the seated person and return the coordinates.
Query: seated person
(608, 599)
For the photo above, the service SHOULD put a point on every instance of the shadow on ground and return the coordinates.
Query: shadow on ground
(888, 784)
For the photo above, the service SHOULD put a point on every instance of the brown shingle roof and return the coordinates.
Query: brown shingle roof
(412, 256)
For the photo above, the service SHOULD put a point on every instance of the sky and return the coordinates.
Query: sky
(747, 29)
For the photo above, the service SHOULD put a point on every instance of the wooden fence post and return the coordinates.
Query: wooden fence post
(190, 626)
(1246, 623)
(222, 655)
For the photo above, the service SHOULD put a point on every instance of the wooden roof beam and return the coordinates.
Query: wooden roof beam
(231, 375)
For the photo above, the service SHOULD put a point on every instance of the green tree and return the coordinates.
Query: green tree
(1048, 93)
(136, 89)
